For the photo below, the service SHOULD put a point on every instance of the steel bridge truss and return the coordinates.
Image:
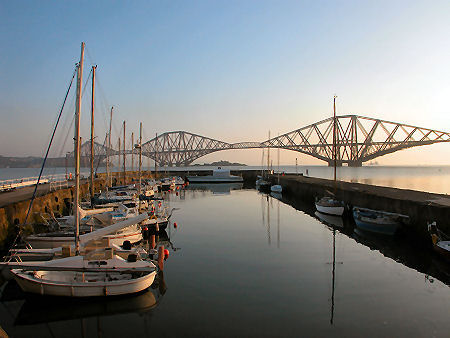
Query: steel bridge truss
(358, 139)
(182, 148)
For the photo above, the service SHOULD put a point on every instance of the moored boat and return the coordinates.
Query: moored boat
(330, 206)
(440, 244)
(82, 276)
(377, 221)
(219, 176)
(276, 188)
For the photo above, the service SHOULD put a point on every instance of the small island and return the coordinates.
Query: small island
(218, 164)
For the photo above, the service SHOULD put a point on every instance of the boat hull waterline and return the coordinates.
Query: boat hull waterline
(29, 282)
(330, 210)
(377, 221)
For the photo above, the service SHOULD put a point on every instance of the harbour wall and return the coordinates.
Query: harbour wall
(14, 204)
(421, 207)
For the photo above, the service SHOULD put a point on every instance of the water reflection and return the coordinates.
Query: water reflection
(403, 248)
(332, 220)
(35, 310)
(216, 189)
(231, 271)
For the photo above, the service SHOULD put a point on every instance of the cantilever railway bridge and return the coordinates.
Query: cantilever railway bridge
(358, 139)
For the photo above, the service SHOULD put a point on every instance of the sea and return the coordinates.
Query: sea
(435, 179)
(246, 264)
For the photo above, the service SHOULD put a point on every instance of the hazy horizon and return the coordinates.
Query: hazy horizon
(228, 70)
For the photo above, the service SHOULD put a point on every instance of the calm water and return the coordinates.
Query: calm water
(432, 179)
(247, 264)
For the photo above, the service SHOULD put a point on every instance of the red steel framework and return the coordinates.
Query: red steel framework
(358, 139)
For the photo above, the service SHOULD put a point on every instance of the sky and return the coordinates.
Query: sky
(229, 70)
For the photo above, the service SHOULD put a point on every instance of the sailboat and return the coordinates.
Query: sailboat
(277, 188)
(262, 183)
(330, 205)
(89, 219)
(99, 272)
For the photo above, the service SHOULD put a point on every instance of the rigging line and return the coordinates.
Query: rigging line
(73, 118)
(45, 158)
(102, 92)
(69, 130)
(67, 135)
(99, 157)
(49, 145)
(86, 82)
(89, 56)
(62, 138)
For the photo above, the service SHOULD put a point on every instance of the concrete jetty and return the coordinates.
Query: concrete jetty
(422, 207)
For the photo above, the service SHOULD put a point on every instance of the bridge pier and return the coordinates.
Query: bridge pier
(354, 164)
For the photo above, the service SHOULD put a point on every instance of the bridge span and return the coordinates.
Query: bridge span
(358, 139)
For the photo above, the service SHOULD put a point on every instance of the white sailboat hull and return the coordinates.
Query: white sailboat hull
(43, 242)
(28, 282)
(118, 239)
(330, 210)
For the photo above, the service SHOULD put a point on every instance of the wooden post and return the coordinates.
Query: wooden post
(153, 241)
(161, 257)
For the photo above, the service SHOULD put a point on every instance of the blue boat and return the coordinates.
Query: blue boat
(381, 222)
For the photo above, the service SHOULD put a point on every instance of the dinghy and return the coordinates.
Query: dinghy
(377, 221)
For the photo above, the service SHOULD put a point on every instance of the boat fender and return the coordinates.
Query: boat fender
(126, 245)
(175, 224)
(166, 254)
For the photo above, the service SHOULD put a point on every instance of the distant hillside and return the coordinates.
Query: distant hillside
(219, 164)
(36, 162)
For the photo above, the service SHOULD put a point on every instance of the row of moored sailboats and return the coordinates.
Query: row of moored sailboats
(91, 252)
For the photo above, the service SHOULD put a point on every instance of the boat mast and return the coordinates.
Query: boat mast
(92, 131)
(140, 164)
(268, 156)
(107, 150)
(132, 152)
(77, 151)
(124, 156)
(278, 159)
(262, 164)
(156, 160)
(118, 166)
(334, 136)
